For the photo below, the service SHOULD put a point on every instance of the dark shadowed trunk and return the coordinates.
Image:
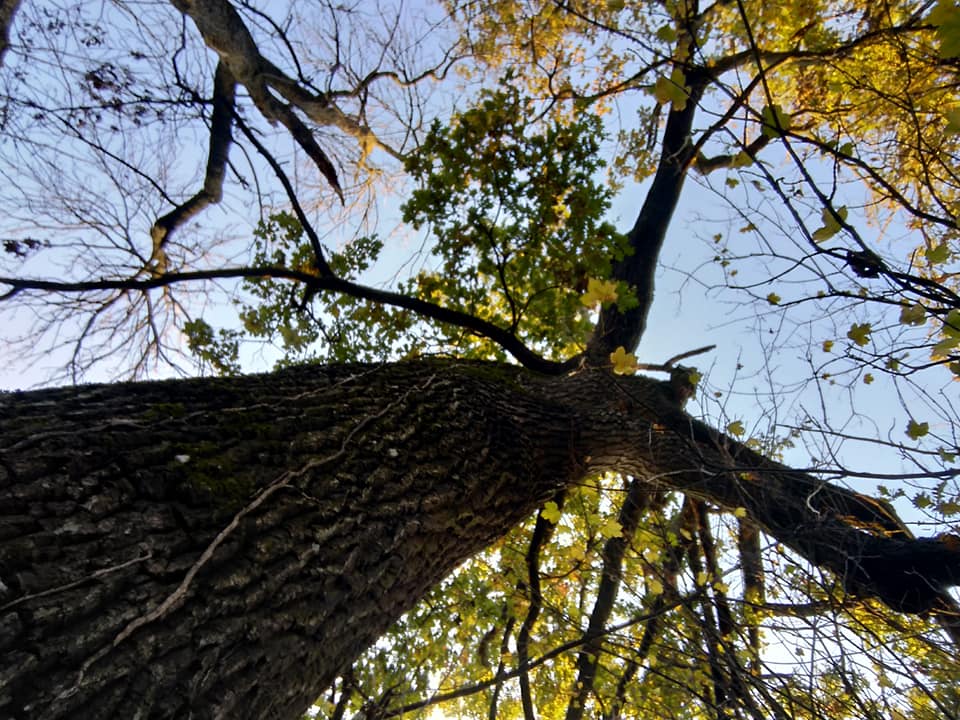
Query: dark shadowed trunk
(225, 547)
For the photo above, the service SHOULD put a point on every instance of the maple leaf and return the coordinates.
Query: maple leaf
(599, 292)
(624, 363)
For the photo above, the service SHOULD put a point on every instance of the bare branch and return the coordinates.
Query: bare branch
(224, 94)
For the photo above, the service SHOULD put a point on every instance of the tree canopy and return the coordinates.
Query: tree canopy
(216, 187)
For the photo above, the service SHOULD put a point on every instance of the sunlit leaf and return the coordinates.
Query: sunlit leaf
(611, 529)
(624, 363)
(672, 89)
(599, 292)
(551, 512)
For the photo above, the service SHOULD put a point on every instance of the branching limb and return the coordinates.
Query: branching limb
(751, 567)
(312, 283)
(706, 165)
(224, 96)
(616, 328)
(224, 31)
(637, 500)
(858, 538)
(542, 531)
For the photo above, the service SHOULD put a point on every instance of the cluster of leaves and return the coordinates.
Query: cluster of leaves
(516, 212)
(683, 623)
(303, 324)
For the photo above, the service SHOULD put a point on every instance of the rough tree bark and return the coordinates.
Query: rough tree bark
(225, 547)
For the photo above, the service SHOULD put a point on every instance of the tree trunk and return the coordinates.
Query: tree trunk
(225, 547)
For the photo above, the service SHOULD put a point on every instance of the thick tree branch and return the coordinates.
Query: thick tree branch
(224, 31)
(616, 328)
(221, 120)
(637, 500)
(858, 538)
(313, 284)
(542, 532)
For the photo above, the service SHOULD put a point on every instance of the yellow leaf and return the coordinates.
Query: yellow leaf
(611, 529)
(736, 428)
(599, 292)
(654, 586)
(624, 363)
(672, 89)
(740, 512)
(827, 345)
(773, 299)
(702, 577)
(721, 587)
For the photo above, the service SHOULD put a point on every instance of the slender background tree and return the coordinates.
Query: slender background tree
(380, 200)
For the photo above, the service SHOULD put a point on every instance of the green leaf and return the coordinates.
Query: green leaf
(736, 428)
(948, 507)
(775, 121)
(551, 512)
(937, 255)
(913, 315)
(946, 345)
(859, 333)
(667, 33)
(916, 430)
(611, 529)
(831, 226)
(953, 121)
(672, 89)
(946, 16)
(951, 324)
(773, 299)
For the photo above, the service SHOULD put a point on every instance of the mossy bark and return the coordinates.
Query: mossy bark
(225, 547)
